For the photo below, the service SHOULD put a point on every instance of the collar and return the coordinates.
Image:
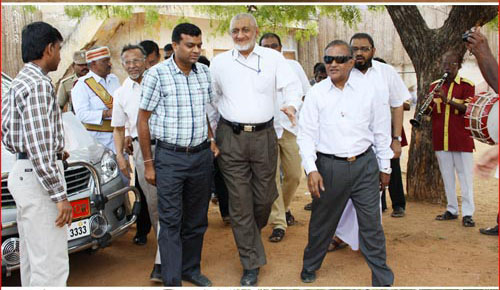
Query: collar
(95, 76)
(457, 79)
(36, 68)
(257, 49)
(130, 83)
(173, 65)
(352, 81)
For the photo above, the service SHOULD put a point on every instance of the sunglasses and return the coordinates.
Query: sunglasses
(338, 58)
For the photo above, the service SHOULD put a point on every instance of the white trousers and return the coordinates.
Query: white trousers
(43, 246)
(149, 192)
(462, 163)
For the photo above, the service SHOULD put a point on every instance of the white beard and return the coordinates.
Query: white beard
(245, 47)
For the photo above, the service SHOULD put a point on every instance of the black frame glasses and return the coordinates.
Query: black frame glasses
(328, 59)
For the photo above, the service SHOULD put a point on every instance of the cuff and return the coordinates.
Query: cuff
(310, 166)
(58, 194)
(384, 163)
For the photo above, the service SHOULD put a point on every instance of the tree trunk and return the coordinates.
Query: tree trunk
(13, 20)
(425, 48)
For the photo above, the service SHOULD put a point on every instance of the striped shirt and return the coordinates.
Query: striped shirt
(31, 123)
(178, 102)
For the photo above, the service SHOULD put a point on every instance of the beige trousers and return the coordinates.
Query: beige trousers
(43, 246)
(289, 160)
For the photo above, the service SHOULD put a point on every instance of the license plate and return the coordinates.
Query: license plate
(81, 208)
(78, 229)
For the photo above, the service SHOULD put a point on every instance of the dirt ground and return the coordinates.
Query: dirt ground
(420, 250)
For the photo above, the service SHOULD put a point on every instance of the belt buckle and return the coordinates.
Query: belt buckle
(351, 159)
(248, 128)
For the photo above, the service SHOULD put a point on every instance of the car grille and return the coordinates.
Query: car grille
(77, 179)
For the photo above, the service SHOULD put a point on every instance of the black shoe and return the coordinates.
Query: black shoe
(307, 276)
(468, 222)
(249, 277)
(308, 206)
(156, 274)
(140, 240)
(198, 280)
(446, 216)
(277, 235)
(290, 219)
(398, 212)
(489, 231)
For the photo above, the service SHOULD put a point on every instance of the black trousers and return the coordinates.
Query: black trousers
(358, 180)
(183, 181)
(143, 222)
(221, 191)
(396, 190)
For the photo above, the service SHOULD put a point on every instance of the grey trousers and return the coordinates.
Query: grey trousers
(358, 180)
(248, 164)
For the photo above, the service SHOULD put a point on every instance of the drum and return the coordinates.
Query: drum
(481, 118)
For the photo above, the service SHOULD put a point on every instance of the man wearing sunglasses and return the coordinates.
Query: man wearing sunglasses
(344, 140)
(288, 152)
(245, 81)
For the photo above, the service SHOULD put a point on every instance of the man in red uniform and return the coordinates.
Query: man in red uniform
(451, 141)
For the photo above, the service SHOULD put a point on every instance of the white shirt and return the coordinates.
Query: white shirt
(281, 119)
(126, 103)
(88, 106)
(388, 83)
(245, 88)
(344, 122)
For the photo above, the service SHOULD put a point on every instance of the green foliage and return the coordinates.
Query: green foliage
(30, 8)
(99, 11)
(493, 24)
(280, 19)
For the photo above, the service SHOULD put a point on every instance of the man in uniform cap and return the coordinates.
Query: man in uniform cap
(93, 96)
(80, 69)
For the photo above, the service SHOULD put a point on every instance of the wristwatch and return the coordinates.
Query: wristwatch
(386, 170)
(397, 138)
(211, 139)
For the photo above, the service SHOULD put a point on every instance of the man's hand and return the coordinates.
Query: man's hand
(65, 155)
(477, 43)
(384, 180)
(315, 184)
(107, 113)
(150, 173)
(65, 215)
(129, 149)
(215, 149)
(396, 148)
(487, 162)
(290, 113)
(124, 165)
(440, 94)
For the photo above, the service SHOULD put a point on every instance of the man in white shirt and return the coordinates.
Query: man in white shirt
(125, 110)
(93, 96)
(246, 80)
(344, 140)
(288, 151)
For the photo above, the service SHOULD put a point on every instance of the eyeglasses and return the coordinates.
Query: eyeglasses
(337, 58)
(363, 48)
(136, 61)
(272, 45)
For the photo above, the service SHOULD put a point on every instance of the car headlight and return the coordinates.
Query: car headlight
(109, 167)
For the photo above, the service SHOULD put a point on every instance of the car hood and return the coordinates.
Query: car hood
(77, 141)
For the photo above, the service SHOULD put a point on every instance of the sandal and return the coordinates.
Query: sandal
(336, 244)
(277, 235)
(446, 216)
(468, 222)
(290, 219)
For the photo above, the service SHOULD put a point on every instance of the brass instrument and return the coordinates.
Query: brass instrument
(423, 108)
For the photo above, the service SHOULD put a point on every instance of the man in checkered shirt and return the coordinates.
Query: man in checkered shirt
(175, 93)
(32, 129)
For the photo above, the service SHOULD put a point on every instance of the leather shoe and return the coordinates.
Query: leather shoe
(290, 219)
(493, 231)
(398, 212)
(156, 274)
(468, 222)
(140, 240)
(249, 277)
(198, 280)
(307, 276)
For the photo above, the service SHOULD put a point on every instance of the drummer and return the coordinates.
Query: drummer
(451, 141)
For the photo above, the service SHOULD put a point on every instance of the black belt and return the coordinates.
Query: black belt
(24, 155)
(153, 141)
(238, 127)
(350, 159)
(204, 145)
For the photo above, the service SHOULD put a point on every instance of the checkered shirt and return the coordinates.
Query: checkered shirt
(32, 123)
(178, 102)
